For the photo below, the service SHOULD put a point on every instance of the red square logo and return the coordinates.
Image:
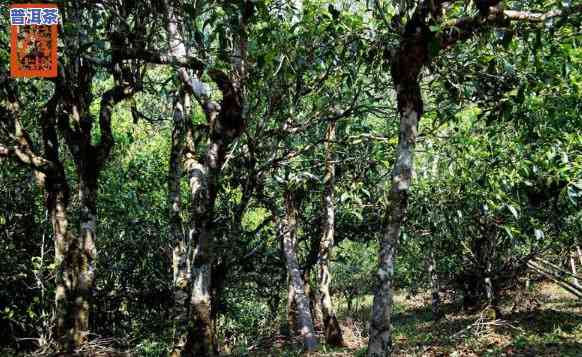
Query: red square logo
(33, 45)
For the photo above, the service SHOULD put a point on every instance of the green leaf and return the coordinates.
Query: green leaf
(435, 28)
(513, 211)
(508, 231)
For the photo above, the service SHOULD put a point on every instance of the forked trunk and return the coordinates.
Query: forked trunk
(71, 318)
(225, 123)
(333, 333)
(303, 318)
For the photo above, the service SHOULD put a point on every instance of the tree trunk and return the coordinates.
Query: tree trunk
(65, 293)
(304, 319)
(406, 65)
(434, 286)
(489, 294)
(86, 254)
(203, 187)
(180, 259)
(333, 333)
(575, 290)
(72, 289)
(291, 310)
(316, 309)
(203, 341)
(226, 122)
(573, 265)
(488, 257)
(192, 276)
(89, 160)
(579, 251)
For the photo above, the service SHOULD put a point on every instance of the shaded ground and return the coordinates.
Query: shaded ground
(547, 323)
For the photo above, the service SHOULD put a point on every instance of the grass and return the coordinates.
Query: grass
(552, 328)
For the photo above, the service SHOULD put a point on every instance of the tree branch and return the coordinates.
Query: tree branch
(464, 28)
(534, 17)
(27, 157)
(109, 99)
(161, 58)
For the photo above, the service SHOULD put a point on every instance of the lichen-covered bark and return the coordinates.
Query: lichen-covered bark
(79, 252)
(407, 62)
(202, 341)
(180, 261)
(86, 254)
(225, 123)
(333, 333)
(57, 200)
(303, 317)
(573, 266)
(193, 335)
(56, 191)
(203, 187)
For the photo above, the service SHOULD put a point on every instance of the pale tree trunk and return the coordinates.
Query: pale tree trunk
(434, 286)
(291, 309)
(203, 188)
(180, 261)
(405, 70)
(303, 317)
(194, 334)
(489, 295)
(579, 251)
(225, 123)
(333, 333)
(573, 265)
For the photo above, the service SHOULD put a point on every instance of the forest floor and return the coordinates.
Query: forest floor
(546, 322)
